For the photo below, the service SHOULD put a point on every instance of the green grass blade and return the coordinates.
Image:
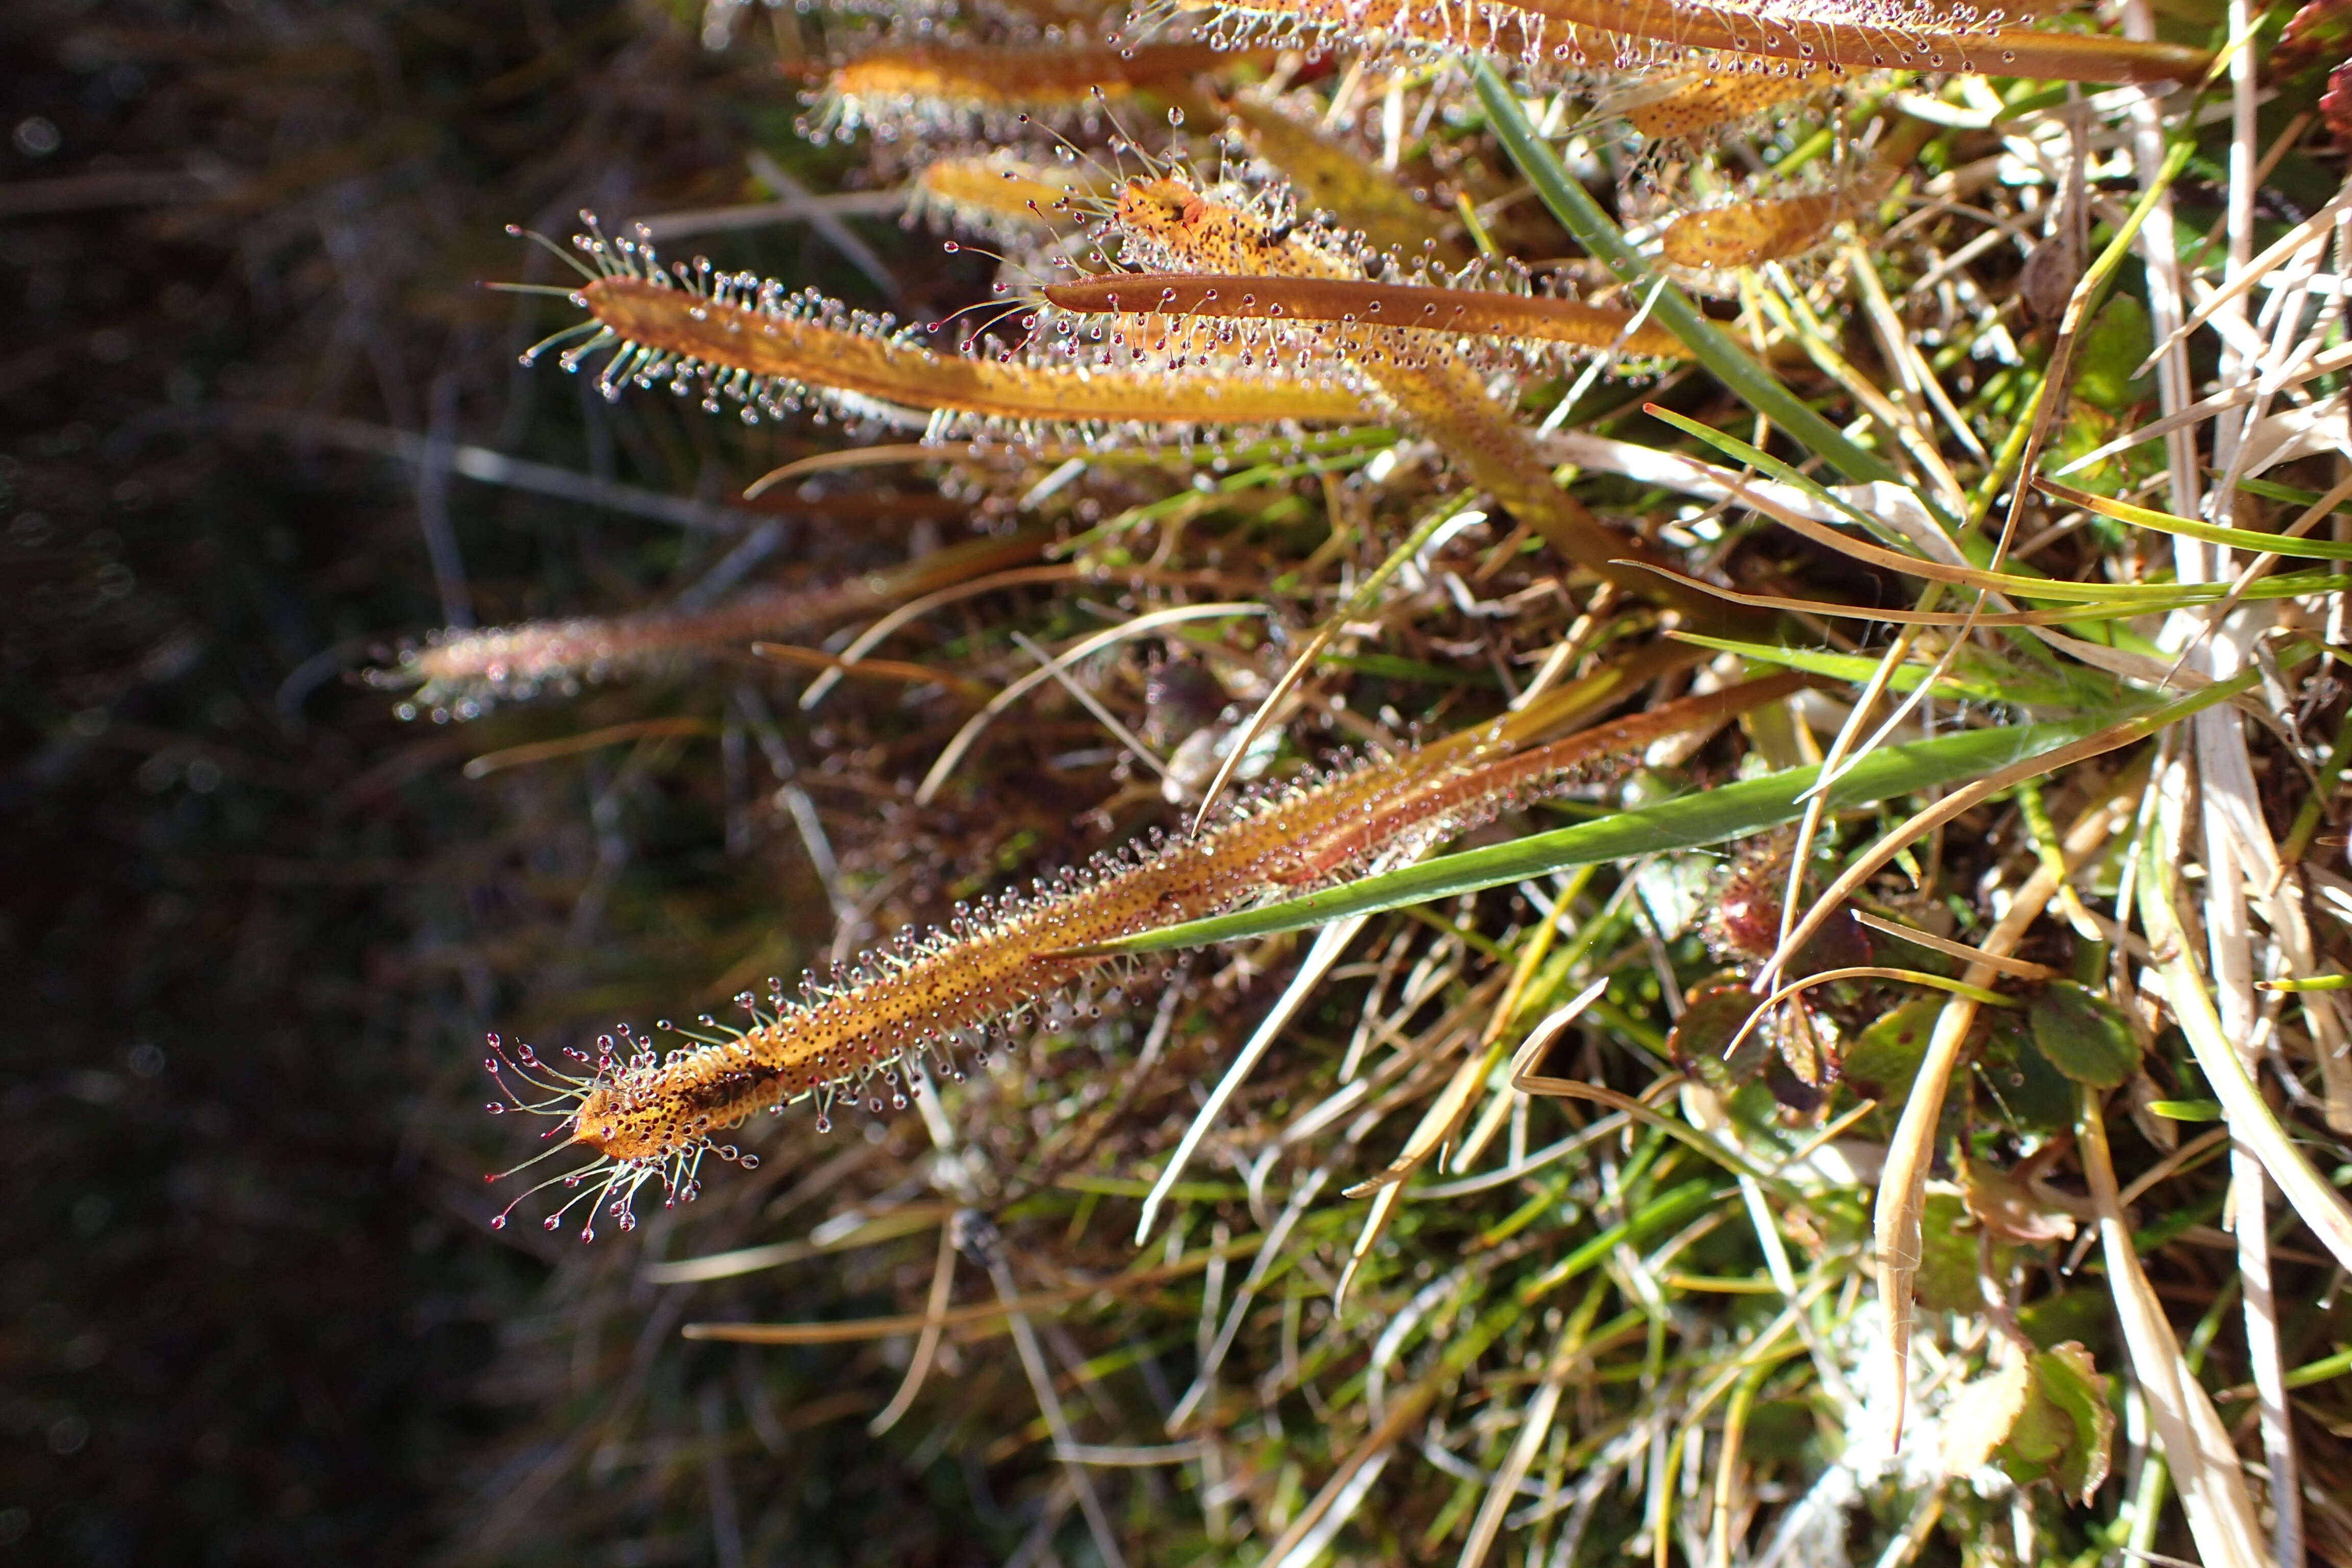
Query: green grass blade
(1734, 811)
(1965, 681)
(1763, 462)
(1851, 667)
(2189, 528)
(1975, 675)
(1571, 203)
(2271, 490)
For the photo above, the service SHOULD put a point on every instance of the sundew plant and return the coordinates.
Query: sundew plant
(1561, 785)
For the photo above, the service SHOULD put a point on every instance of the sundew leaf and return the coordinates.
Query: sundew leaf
(1734, 811)
(1540, 36)
(764, 347)
(1170, 223)
(1713, 347)
(1365, 302)
(1332, 176)
(1750, 233)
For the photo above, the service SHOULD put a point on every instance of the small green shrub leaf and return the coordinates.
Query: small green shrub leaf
(2118, 339)
(1983, 1416)
(2084, 1035)
(1950, 1277)
(1882, 1062)
(2065, 1380)
(2034, 1096)
(1716, 1010)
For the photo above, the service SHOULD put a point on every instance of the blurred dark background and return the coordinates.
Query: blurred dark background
(250, 925)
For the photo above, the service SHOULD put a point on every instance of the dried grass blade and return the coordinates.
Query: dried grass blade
(1786, 308)
(1648, 1115)
(845, 458)
(490, 763)
(1117, 727)
(1439, 1123)
(1537, 948)
(2244, 278)
(1340, 1496)
(915, 609)
(1149, 621)
(1935, 571)
(1902, 1183)
(1451, 513)
(2195, 1444)
(1534, 1425)
(2252, 1123)
(859, 1330)
(869, 669)
(1962, 989)
(1755, 458)
(2057, 380)
(906, 1219)
(978, 1238)
(1330, 942)
(927, 1343)
(2194, 414)
(2019, 967)
(1260, 1268)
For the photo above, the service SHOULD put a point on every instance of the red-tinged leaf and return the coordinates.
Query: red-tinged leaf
(2335, 105)
(2319, 33)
